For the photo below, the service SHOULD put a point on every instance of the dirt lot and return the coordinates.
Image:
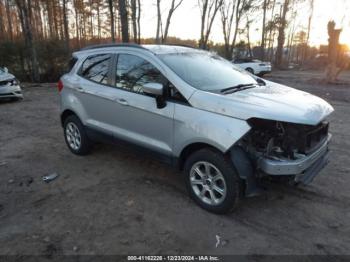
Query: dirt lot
(113, 202)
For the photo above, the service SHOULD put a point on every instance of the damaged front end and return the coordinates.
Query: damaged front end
(10, 88)
(286, 149)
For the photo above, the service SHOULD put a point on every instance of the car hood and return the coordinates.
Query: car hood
(6, 76)
(273, 102)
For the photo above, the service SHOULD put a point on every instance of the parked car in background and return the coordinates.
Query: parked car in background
(253, 66)
(9, 86)
(225, 128)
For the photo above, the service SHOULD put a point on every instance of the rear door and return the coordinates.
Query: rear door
(94, 91)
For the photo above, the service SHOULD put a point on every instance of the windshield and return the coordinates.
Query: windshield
(206, 71)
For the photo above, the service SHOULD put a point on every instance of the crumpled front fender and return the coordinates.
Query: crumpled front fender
(193, 125)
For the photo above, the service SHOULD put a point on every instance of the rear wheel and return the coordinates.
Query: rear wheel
(75, 136)
(212, 181)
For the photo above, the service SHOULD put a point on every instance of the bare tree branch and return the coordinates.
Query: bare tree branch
(209, 9)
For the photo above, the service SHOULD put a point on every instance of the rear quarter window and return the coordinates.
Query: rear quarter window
(71, 64)
(96, 68)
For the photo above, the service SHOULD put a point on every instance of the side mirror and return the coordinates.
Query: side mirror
(157, 90)
(153, 89)
(6, 70)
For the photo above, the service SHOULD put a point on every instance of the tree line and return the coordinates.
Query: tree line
(38, 36)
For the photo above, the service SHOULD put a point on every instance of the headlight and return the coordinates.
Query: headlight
(14, 82)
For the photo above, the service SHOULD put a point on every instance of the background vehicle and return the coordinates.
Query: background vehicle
(223, 127)
(9, 86)
(253, 66)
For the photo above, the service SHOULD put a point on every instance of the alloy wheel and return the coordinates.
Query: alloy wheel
(208, 183)
(73, 136)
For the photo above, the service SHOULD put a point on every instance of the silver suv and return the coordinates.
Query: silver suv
(222, 126)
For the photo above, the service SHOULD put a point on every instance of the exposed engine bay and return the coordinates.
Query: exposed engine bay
(281, 140)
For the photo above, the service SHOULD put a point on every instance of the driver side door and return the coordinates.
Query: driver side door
(138, 120)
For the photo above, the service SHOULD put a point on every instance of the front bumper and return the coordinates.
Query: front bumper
(308, 166)
(264, 70)
(10, 91)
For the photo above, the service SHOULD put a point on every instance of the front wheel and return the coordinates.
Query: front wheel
(212, 181)
(250, 70)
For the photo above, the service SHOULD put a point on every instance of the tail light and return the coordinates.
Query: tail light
(60, 86)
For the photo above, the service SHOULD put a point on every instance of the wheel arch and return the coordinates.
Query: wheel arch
(236, 154)
(190, 149)
(66, 113)
(250, 69)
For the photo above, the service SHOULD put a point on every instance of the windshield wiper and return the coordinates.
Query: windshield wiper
(236, 88)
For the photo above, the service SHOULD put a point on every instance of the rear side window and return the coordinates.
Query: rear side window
(96, 68)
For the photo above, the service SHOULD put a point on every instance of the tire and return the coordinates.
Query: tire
(226, 199)
(250, 70)
(75, 136)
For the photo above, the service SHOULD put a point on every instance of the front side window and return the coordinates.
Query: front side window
(133, 72)
(95, 68)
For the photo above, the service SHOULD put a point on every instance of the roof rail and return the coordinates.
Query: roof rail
(112, 45)
(183, 45)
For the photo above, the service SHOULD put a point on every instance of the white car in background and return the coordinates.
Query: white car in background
(9, 86)
(253, 66)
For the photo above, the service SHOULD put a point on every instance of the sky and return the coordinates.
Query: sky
(186, 20)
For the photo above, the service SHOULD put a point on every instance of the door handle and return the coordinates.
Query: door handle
(122, 101)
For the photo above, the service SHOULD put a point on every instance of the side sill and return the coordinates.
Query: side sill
(99, 136)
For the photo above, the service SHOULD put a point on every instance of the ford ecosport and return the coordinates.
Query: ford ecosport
(222, 126)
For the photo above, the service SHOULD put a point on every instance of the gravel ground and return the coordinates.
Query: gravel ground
(117, 202)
